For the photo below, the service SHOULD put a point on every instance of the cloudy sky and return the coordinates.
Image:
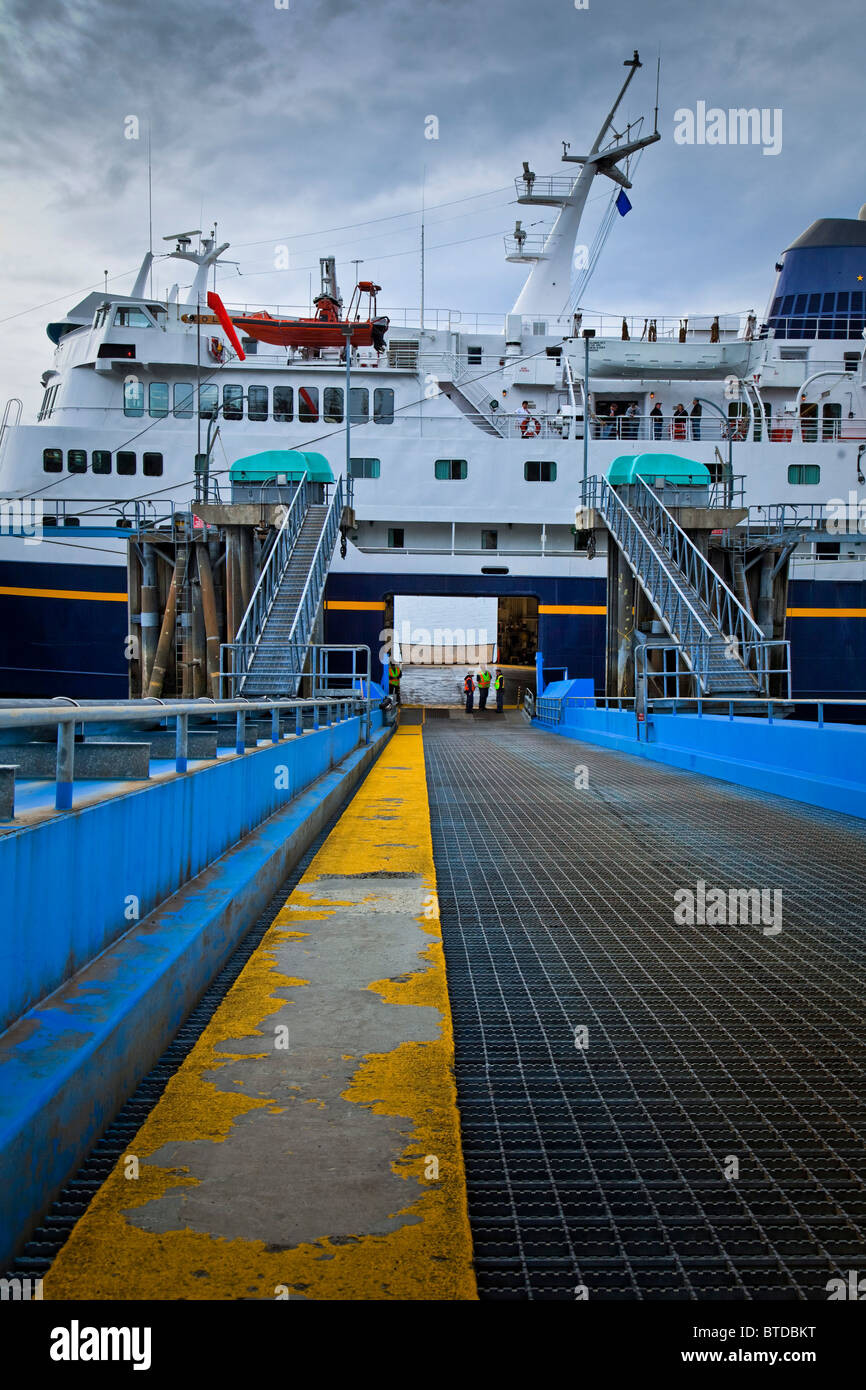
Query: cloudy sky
(305, 126)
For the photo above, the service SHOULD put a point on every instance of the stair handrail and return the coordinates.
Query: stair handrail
(684, 622)
(733, 619)
(611, 503)
(319, 565)
(263, 595)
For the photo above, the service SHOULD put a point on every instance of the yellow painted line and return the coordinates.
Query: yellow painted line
(354, 605)
(572, 608)
(135, 1241)
(64, 593)
(826, 612)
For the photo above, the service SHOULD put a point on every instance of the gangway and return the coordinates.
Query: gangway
(719, 639)
(268, 656)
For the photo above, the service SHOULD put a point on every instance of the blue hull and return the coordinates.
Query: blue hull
(51, 644)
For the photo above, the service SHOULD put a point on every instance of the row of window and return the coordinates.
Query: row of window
(489, 539)
(126, 462)
(455, 470)
(258, 403)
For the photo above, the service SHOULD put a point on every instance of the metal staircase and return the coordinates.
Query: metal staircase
(720, 641)
(472, 396)
(272, 643)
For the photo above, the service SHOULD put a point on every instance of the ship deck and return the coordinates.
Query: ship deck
(644, 1109)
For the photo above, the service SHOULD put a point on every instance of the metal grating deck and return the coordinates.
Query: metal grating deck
(605, 1167)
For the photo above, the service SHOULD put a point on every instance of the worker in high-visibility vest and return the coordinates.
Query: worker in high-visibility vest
(484, 680)
(499, 687)
(469, 692)
(395, 675)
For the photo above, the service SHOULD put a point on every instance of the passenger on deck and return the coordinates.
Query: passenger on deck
(631, 422)
(695, 415)
(658, 422)
(679, 421)
(610, 424)
(469, 692)
(395, 675)
(484, 679)
(499, 687)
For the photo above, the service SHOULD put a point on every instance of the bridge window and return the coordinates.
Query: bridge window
(359, 405)
(208, 401)
(132, 318)
(364, 468)
(233, 402)
(383, 405)
(184, 394)
(133, 398)
(257, 403)
(157, 399)
(308, 404)
(100, 463)
(450, 470)
(489, 540)
(332, 406)
(539, 471)
(803, 474)
(283, 404)
(76, 460)
(151, 465)
(125, 463)
(395, 538)
(52, 460)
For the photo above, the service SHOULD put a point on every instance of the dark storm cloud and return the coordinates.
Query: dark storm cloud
(282, 121)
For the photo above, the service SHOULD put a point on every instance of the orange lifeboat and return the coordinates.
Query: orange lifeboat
(327, 329)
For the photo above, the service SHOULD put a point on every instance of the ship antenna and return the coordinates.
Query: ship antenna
(150, 207)
(658, 75)
(423, 191)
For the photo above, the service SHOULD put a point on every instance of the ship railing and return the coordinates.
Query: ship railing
(848, 325)
(663, 671)
(812, 709)
(328, 703)
(134, 516)
(645, 327)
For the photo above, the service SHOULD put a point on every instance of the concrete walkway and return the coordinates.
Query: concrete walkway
(309, 1146)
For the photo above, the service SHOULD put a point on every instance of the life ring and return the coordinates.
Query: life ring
(530, 427)
(217, 349)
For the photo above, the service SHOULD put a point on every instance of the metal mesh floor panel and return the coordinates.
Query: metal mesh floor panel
(612, 1166)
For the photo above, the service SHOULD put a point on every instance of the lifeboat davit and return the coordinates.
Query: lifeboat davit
(327, 329)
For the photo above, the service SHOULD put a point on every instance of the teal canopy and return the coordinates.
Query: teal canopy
(627, 468)
(290, 464)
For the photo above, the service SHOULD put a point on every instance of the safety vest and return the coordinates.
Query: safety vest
(499, 683)
(468, 685)
(484, 678)
(394, 674)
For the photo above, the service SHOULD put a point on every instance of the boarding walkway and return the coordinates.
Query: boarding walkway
(645, 1107)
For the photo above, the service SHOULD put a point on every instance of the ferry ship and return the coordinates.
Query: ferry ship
(466, 442)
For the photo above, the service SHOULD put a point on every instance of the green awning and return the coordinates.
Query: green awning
(626, 468)
(275, 464)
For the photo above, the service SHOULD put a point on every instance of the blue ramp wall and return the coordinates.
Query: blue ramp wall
(69, 881)
(824, 766)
